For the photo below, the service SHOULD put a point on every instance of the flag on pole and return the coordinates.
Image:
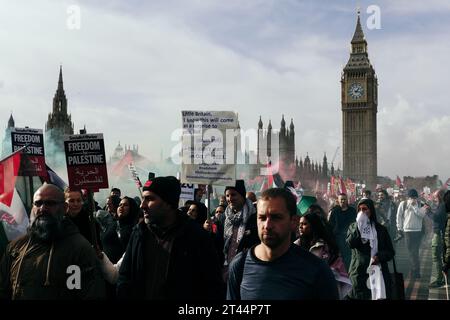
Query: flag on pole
(13, 215)
(268, 179)
(332, 192)
(342, 188)
(335, 186)
(271, 180)
(269, 176)
(134, 174)
(53, 178)
(264, 185)
(398, 182)
(9, 168)
(317, 187)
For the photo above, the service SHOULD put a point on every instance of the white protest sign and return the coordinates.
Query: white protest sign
(187, 191)
(208, 147)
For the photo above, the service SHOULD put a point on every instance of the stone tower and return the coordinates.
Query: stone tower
(285, 155)
(359, 101)
(6, 145)
(59, 122)
(325, 166)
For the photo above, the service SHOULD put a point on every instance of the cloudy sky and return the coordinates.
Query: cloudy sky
(132, 66)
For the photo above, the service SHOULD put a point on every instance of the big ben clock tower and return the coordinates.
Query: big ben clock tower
(359, 113)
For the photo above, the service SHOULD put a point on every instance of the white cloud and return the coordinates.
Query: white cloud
(411, 141)
(129, 73)
(404, 7)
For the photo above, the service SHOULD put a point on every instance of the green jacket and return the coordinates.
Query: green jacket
(447, 240)
(30, 270)
(361, 259)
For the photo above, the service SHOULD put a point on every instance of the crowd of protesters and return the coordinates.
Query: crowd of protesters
(270, 246)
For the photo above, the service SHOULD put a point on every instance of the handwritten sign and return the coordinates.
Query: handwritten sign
(33, 139)
(86, 163)
(209, 147)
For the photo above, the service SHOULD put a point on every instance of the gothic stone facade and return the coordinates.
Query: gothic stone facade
(59, 122)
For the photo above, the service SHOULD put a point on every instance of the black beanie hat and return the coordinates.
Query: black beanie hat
(167, 188)
(239, 187)
(289, 184)
(412, 193)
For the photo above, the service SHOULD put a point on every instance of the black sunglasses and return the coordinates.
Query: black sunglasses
(47, 203)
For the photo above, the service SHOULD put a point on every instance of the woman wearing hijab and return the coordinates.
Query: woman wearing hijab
(371, 250)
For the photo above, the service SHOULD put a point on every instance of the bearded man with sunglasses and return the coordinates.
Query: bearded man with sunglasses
(53, 260)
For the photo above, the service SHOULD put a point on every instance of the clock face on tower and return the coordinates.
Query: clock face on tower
(356, 90)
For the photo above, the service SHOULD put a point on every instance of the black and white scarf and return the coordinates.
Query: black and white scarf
(236, 219)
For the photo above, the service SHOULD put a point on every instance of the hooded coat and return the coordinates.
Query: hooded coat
(361, 257)
(32, 270)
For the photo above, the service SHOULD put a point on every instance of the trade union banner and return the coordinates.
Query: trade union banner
(33, 141)
(86, 163)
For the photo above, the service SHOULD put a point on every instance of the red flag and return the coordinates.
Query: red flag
(268, 179)
(14, 217)
(9, 168)
(342, 187)
(332, 191)
(270, 176)
(398, 182)
(264, 185)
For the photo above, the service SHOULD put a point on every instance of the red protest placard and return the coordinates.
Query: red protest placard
(34, 155)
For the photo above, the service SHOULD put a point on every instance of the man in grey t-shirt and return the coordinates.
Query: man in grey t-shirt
(277, 269)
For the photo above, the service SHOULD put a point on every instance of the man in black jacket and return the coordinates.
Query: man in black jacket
(169, 256)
